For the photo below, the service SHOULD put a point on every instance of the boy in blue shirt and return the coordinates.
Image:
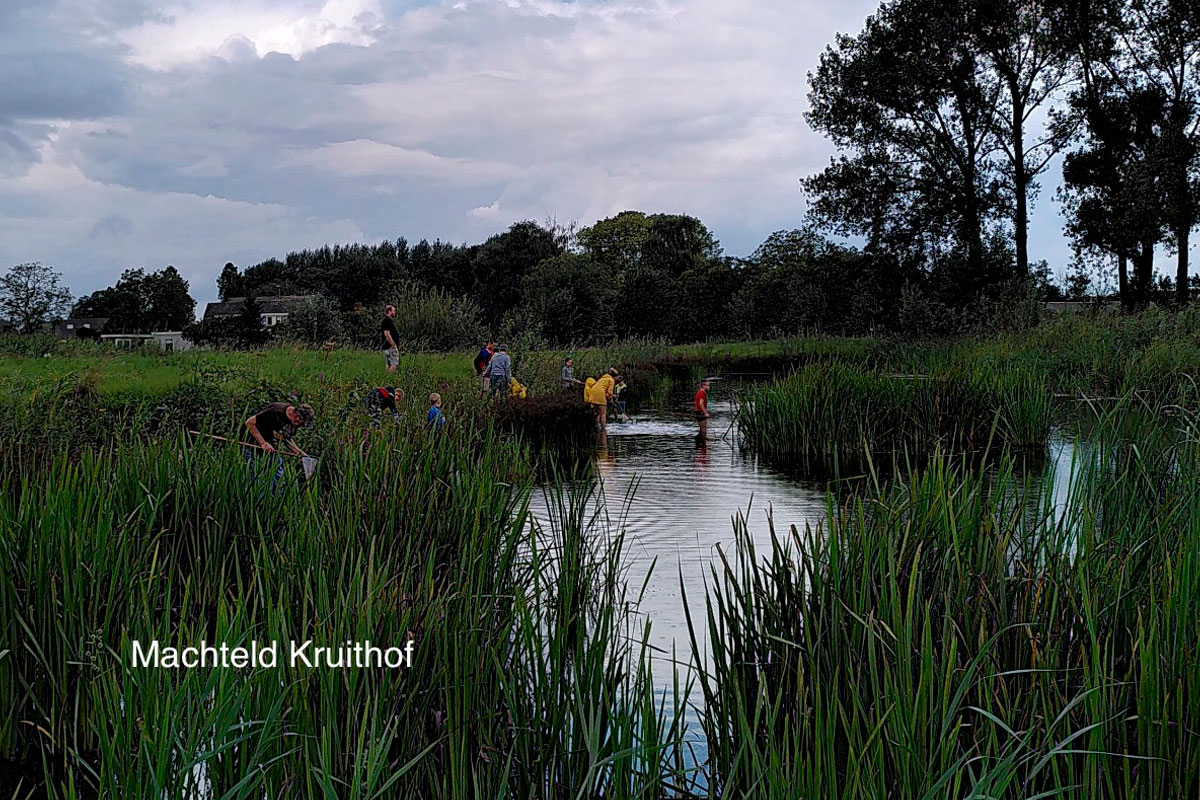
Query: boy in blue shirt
(434, 419)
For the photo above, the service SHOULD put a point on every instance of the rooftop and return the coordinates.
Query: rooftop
(270, 304)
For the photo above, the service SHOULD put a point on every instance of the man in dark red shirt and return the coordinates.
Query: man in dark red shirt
(701, 403)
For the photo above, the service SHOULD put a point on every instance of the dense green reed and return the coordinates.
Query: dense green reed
(525, 679)
(959, 634)
(825, 412)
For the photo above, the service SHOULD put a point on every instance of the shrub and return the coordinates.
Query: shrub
(312, 324)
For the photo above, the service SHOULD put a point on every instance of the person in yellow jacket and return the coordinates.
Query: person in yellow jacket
(598, 394)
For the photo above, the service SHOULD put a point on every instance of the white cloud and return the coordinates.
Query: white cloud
(366, 157)
(489, 212)
(252, 128)
(190, 30)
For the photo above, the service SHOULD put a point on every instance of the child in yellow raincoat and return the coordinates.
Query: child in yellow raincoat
(598, 393)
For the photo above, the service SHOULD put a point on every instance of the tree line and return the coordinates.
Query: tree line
(949, 112)
(632, 275)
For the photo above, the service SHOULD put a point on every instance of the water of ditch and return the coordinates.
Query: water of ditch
(677, 496)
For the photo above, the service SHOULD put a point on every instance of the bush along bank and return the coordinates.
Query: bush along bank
(42, 417)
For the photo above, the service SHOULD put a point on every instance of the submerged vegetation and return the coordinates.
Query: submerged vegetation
(950, 631)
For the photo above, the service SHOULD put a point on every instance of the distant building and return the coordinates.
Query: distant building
(165, 341)
(275, 309)
(70, 328)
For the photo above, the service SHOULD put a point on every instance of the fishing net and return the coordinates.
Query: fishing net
(309, 463)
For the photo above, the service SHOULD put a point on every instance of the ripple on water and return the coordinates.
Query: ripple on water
(687, 493)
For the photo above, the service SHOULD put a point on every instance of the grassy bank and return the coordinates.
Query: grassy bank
(830, 413)
(1003, 391)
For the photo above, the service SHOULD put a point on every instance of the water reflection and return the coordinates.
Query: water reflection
(688, 490)
(676, 495)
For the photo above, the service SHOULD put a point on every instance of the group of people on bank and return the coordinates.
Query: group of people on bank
(275, 426)
(494, 368)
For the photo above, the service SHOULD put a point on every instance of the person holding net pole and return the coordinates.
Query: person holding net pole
(271, 428)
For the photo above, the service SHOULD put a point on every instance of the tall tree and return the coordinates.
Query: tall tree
(120, 303)
(250, 328)
(230, 283)
(502, 261)
(1112, 188)
(31, 295)
(1134, 183)
(676, 243)
(1028, 45)
(909, 98)
(142, 302)
(169, 305)
(617, 241)
(1161, 54)
(567, 299)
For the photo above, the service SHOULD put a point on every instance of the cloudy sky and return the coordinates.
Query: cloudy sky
(142, 133)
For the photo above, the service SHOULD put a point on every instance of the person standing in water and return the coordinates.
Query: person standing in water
(701, 405)
(619, 399)
(599, 394)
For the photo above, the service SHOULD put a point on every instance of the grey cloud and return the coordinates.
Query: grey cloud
(112, 226)
(59, 85)
(486, 82)
(486, 105)
(17, 13)
(18, 146)
(53, 67)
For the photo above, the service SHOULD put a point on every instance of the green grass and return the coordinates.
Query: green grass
(115, 372)
(522, 681)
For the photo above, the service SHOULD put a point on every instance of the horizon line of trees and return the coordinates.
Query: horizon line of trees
(633, 275)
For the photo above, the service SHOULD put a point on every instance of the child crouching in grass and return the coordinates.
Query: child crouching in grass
(435, 420)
